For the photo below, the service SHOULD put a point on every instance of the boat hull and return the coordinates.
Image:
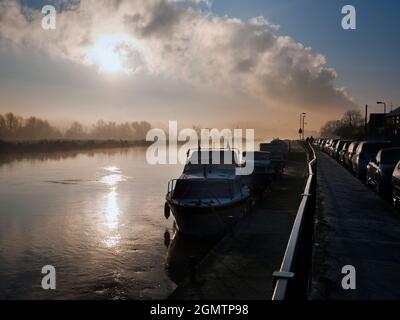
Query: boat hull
(208, 221)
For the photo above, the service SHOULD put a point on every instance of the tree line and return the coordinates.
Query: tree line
(350, 126)
(14, 127)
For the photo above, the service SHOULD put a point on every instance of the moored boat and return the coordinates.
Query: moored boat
(263, 171)
(278, 150)
(209, 198)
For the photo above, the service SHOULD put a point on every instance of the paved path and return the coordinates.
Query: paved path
(241, 266)
(354, 227)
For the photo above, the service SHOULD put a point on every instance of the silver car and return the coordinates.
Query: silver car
(380, 170)
(366, 151)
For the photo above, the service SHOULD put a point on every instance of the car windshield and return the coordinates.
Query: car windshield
(374, 147)
(353, 147)
(390, 157)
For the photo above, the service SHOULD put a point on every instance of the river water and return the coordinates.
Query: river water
(96, 217)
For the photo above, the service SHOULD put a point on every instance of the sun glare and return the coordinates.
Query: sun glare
(109, 53)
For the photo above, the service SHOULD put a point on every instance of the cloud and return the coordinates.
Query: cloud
(185, 41)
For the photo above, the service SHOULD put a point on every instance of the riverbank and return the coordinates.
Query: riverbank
(48, 146)
(241, 265)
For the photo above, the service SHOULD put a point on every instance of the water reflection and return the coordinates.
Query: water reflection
(112, 211)
(100, 220)
(112, 241)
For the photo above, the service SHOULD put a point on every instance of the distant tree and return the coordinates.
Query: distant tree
(3, 129)
(349, 127)
(330, 128)
(15, 127)
(140, 130)
(12, 123)
(352, 118)
(35, 128)
(76, 131)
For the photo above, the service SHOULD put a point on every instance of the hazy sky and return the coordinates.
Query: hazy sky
(255, 63)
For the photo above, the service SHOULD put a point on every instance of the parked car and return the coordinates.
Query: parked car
(396, 185)
(321, 144)
(342, 152)
(330, 146)
(366, 151)
(350, 153)
(338, 147)
(326, 145)
(380, 170)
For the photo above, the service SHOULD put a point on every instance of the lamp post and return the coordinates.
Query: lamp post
(384, 106)
(304, 117)
(301, 130)
(366, 122)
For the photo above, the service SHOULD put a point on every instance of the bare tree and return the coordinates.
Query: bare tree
(15, 127)
(352, 118)
(329, 129)
(348, 127)
(76, 131)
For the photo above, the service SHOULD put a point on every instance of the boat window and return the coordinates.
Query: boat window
(258, 156)
(202, 190)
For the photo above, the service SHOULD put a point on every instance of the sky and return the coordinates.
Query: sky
(223, 63)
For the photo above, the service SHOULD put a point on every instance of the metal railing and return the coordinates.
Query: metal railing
(171, 186)
(293, 278)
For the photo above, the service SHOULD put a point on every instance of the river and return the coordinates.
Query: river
(97, 217)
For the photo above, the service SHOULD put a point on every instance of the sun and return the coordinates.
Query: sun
(109, 53)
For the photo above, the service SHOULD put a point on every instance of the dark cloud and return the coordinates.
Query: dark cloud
(159, 19)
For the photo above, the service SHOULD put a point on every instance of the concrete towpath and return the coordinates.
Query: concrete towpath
(354, 226)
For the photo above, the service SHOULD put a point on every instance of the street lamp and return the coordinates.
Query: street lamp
(304, 129)
(384, 105)
(301, 130)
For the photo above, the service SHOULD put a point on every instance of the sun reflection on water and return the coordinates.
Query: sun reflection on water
(112, 211)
